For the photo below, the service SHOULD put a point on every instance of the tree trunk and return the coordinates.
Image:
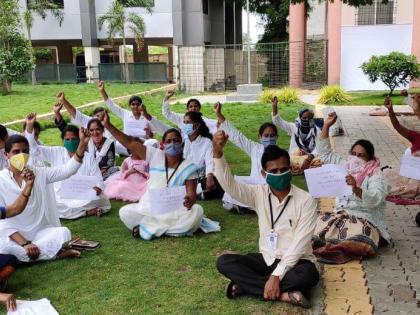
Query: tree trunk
(7, 86)
(33, 75)
(127, 75)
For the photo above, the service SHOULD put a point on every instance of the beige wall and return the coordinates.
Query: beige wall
(348, 15)
(404, 12)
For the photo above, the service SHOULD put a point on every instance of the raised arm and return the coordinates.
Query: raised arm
(323, 145)
(289, 127)
(177, 119)
(154, 123)
(29, 132)
(395, 123)
(242, 192)
(60, 123)
(126, 141)
(117, 110)
(22, 200)
(70, 108)
(234, 134)
(59, 173)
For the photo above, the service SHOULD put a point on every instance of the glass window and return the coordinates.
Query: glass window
(376, 13)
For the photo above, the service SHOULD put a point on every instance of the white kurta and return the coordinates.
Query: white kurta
(177, 223)
(291, 129)
(178, 119)
(39, 221)
(128, 118)
(56, 156)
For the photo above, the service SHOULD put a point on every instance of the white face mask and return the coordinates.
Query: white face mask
(354, 164)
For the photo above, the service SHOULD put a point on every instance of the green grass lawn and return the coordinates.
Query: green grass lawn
(163, 276)
(371, 98)
(40, 98)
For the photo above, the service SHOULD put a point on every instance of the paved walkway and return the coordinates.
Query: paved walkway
(388, 283)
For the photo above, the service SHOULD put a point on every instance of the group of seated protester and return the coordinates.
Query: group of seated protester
(190, 160)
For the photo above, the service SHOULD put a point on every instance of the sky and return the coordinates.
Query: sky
(255, 29)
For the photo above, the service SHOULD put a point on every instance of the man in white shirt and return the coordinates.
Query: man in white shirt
(284, 269)
(36, 233)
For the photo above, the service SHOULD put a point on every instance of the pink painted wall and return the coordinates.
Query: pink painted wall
(334, 41)
(297, 37)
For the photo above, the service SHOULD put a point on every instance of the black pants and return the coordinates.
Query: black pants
(251, 273)
(216, 193)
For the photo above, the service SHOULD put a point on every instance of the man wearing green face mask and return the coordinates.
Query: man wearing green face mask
(284, 268)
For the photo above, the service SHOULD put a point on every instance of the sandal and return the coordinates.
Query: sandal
(136, 231)
(298, 299)
(231, 288)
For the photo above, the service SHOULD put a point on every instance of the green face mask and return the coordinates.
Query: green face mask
(279, 181)
(71, 145)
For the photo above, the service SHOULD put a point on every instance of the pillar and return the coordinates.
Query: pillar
(415, 48)
(92, 60)
(142, 55)
(297, 38)
(334, 41)
(65, 54)
(170, 64)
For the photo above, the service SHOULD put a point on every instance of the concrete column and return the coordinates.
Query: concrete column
(415, 49)
(334, 41)
(92, 59)
(142, 55)
(65, 54)
(170, 64)
(297, 34)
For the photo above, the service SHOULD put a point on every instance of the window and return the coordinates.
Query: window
(376, 13)
(205, 6)
(133, 4)
(56, 4)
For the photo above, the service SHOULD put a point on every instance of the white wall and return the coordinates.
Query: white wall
(159, 24)
(315, 24)
(359, 43)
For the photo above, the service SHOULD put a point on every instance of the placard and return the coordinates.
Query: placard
(166, 200)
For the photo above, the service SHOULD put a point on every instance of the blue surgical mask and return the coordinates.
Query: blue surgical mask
(268, 141)
(187, 129)
(279, 181)
(173, 149)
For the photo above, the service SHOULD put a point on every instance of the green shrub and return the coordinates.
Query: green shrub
(394, 70)
(286, 95)
(332, 94)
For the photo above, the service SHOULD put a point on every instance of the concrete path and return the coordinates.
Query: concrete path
(390, 282)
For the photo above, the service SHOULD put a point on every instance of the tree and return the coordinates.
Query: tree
(15, 52)
(116, 17)
(41, 8)
(15, 59)
(393, 70)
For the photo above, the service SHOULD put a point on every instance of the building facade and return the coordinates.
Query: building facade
(172, 23)
(355, 34)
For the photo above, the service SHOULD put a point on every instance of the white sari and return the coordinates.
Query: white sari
(178, 223)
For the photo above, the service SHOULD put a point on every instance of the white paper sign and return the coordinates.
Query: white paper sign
(79, 187)
(244, 180)
(212, 125)
(165, 200)
(327, 181)
(410, 167)
(135, 128)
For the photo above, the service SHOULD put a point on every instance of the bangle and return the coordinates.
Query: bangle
(26, 243)
(80, 157)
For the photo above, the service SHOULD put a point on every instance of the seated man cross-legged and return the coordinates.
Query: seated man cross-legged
(284, 268)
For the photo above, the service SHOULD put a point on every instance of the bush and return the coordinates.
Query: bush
(394, 70)
(332, 94)
(286, 95)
